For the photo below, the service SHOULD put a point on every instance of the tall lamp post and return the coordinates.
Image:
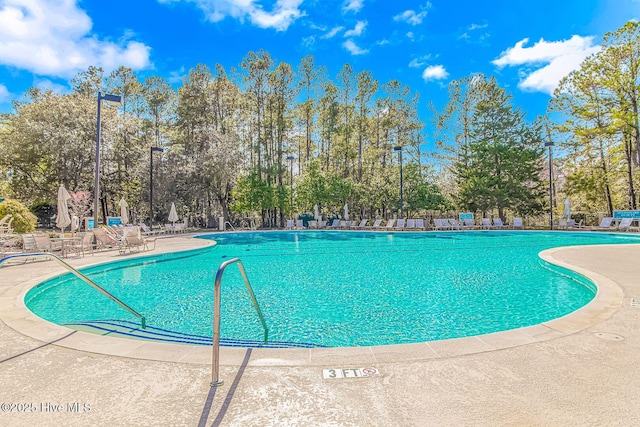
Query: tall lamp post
(550, 145)
(159, 149)
(290, 158)
(114, 101)
(399, 150)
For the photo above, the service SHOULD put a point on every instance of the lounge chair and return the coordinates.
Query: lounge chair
(605, 224)
(411, 224)
(562, 223)
(5, 224)
(420, 224)
(400, 224)
(625, 224)
(376, 223)
(300, 224)
(322, 224)
(104, 240)
(497, 223)
(486, 223)
(572, 223)
(390, 224)
(313, 224)
(335, 223)
(517, 223)
(133, 239)
(454, 224)
(149, 232)
(289, 225)
(361, 225)
(468, 223)
(441, 224)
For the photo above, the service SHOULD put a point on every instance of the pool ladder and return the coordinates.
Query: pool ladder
(215, 356)
(82, 277)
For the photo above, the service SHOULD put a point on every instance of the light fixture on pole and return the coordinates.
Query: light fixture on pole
(399, 150)
(159, 149)
(290, 158)
(114, 101)
(550, 145)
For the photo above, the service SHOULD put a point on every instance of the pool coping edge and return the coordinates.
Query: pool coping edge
(608, 300)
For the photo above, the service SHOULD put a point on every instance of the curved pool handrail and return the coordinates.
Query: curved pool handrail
(215, 356)
(82, 277)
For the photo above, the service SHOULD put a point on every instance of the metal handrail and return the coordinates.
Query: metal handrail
(82, 277)
(232, 227)
(215, 356)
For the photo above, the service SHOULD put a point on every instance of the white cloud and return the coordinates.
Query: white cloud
(352, 5)
(4, 94)
(419, 61)
(412, 17)
(353, 48)
(359, 28)
(46, 84)
(308, 42)
(477, 26)
(176, 76)
(554, 60)
(283, 13)
(52, 37)
(333, 32)
(434, 72)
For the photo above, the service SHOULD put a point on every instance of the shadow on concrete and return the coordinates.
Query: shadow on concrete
(227, 401)
(37, 348)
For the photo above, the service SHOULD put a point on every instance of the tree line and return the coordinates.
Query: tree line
(269, 140)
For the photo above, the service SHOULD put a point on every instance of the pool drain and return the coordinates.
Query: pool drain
(609, 337)
(635, 302)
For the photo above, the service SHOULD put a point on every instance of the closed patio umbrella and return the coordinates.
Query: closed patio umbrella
(173, 215)
(346, 212)
(63, 219)
(567, 208)
(316, 213)
(123, 211)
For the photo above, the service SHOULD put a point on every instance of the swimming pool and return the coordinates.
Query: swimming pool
(339, 289)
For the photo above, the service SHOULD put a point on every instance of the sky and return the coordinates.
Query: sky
(527, 45)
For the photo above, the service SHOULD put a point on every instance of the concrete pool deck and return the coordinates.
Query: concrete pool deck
(582, 369)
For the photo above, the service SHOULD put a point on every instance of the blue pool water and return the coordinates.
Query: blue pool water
(339, 288)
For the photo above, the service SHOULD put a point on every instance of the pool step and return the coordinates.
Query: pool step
(127, 329)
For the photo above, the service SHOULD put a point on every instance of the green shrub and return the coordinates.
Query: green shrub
(23, 220)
